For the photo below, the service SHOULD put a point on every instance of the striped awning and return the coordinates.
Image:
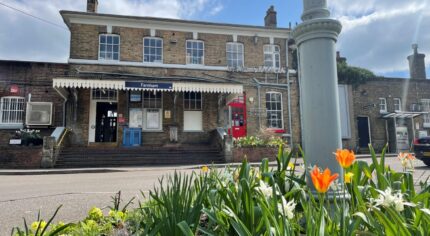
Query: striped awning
(150, 86)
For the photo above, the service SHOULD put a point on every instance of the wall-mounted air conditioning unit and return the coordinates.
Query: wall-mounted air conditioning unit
(38, 114)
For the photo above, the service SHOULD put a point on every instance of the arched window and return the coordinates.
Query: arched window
(12, 110)
(274, 110)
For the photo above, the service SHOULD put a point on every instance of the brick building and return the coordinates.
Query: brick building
(391, 111)
(143, 81)
(163, 83)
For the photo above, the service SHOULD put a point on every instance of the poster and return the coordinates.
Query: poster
(136, 117)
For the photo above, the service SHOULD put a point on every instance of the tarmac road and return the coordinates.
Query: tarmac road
(24, 195)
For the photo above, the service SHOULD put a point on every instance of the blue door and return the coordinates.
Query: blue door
(132, 137)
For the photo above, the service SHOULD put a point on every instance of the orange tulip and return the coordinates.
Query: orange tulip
(322, 180)
(345, 157)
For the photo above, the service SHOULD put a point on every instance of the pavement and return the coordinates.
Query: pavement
(127, 169)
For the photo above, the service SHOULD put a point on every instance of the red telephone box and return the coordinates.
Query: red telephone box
(237, 111)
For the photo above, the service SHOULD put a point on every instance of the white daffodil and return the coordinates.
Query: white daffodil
(286, 208)
(389, 199)
(265, 189)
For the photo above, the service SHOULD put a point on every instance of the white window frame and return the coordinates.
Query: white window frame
(425, 104)
(151, 108)
(189, 57)
(105, 95)
(15, 108)
(382, 105)
(111, 44)
(397, 104)
(274, 51)
(153, 47)
(193, 101)
(237, 51)
(268, 111)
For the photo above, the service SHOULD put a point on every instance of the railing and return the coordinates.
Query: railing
(52, 146)
(222, 140)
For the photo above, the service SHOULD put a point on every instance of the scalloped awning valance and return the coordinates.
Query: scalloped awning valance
(149, 86)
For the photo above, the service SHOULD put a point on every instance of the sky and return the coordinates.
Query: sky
(377, 34)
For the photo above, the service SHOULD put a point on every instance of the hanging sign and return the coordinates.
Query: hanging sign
(145, 85)
(14, 89)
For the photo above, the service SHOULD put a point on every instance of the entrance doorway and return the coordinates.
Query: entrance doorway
(106, 122)
(363, 132)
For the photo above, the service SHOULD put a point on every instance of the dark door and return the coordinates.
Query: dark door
(106, 123)
(363, 131)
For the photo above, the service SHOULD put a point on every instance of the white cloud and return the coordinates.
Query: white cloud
(26, 38)
(377, 34)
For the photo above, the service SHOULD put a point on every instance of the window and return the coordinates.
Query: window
(109, 47)
(272, 56)
(425, 103)
(152, 111)
(12, 110)
(382, 105)
(397, 104)
(192, 101)
(274, 110)
(152, 99)
(153, 50)
(195, 52)
(193, 115)
(104, 94)
(235, 55)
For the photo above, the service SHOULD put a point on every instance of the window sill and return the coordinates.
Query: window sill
(152, 131)
(11, 126)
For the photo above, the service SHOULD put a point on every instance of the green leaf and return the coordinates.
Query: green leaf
(185, 228)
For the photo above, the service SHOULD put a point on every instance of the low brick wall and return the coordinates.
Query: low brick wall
(254, 154)
(21, 157)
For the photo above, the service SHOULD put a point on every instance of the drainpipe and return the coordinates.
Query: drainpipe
(290, 131)
(64, 105)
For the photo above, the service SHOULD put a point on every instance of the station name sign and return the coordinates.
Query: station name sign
(145, 85)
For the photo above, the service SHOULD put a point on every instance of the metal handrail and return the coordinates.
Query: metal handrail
(63, 136)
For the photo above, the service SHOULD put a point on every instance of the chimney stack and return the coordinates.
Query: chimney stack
(417, 68)
(92, 6)
(270, 19)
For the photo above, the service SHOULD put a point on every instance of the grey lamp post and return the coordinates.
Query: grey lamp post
(316, 37)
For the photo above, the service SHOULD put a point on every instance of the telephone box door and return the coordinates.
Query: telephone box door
(238, 117)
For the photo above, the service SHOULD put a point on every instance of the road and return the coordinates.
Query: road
(24, 195)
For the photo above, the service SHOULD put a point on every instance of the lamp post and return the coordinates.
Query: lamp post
(316, 37)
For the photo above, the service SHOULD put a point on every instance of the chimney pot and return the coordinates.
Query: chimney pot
(92, 6)
(270, 18)
(417, 68)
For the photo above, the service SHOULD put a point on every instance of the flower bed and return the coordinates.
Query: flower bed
(255, 149)
(263, 201)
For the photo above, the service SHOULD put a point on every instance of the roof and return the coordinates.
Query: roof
(402, 115)
(174, 24)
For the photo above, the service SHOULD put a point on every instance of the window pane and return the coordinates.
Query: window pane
(102, 38)
(115, 39)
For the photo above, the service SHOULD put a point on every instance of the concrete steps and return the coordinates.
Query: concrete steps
(81, 157)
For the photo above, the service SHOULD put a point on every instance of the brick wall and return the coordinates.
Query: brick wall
(21, 157)
(85, 45)
(33, 78)
(366, 104)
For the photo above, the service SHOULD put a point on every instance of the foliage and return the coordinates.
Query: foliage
(353, 75)
(247, 200)
(256, 141)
